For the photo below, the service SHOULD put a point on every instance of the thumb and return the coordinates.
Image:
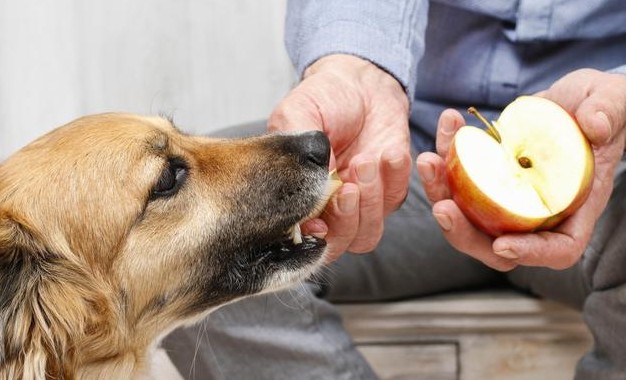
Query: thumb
(296, 112)
(601, 116)
(595, 98)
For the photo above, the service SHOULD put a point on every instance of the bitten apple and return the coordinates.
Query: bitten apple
(334, 183)
(528, 171)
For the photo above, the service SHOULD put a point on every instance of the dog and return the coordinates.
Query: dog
(117, 228)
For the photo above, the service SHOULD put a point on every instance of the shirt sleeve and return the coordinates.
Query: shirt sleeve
(387, 33)
(619, 70)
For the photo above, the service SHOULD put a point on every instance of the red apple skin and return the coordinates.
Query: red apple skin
(482, 211)
(491, 218)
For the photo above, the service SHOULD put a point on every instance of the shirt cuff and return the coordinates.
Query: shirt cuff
(354, 38)
(618, 70)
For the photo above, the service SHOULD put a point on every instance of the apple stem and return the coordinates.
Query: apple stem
(493, 132)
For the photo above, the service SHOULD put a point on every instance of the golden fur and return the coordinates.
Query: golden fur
(97, 264)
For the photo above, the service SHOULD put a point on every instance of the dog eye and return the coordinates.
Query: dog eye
(171, 178)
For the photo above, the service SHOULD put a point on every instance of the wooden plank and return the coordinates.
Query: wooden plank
(497, 335)
(453, 315)
(520, 356)
(437, 361)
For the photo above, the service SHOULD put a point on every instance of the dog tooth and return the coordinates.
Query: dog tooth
(297, 234)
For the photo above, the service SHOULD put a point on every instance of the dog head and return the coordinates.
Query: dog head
(116, 228)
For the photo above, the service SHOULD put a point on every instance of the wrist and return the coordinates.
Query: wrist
(369, 78)
(339, 63)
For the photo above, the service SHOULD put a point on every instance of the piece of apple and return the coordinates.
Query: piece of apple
(334, 183)
(530, 170)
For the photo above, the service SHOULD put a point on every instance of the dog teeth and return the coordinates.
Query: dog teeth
(296, 234)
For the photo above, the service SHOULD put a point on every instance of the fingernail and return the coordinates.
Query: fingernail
(348, 202)
(444, 221)
(426, 171)
(448, 129)
(507, 254)
(608, 127)
(367, 171)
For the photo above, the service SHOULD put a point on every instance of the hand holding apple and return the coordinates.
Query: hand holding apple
(532, 169)
(597, 100)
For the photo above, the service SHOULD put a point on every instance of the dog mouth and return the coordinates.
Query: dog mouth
(293, 241)
(333, 184)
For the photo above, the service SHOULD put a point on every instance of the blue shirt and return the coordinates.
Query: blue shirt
(461, 53)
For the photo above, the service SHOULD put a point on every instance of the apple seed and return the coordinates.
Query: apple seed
(525, 162)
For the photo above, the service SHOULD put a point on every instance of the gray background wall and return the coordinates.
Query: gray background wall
(210, 63)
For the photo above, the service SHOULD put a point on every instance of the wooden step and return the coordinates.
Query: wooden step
(469, 336)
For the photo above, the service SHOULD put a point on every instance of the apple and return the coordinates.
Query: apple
(334, 183)
(528, 171)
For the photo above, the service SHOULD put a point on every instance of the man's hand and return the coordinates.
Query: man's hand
(364, 112)
(597, 101)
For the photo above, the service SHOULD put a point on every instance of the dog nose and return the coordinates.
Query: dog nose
(315, 147)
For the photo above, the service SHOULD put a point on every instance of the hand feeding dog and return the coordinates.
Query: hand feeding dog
(116, 228)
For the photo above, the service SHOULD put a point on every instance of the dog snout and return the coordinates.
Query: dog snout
(314, 147)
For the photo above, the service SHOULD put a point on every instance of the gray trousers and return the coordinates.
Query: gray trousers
(298, 334)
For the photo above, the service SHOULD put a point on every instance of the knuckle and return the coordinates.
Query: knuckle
(395, 199)
(362, 247)
(367, 242)
(373, 201)
(278, 117)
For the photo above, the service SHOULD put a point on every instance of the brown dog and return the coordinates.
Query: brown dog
(115, 229)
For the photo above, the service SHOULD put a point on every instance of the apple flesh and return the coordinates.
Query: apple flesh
(334, 183)
(532, 170)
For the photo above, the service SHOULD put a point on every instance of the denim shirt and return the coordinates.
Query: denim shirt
(461, 53)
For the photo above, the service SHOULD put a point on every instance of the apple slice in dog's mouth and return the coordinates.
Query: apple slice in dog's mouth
(333, 184)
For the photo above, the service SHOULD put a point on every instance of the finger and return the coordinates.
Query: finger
(449, 122)
(341, 216)
(570, 90)
(557, 249)
(597, 99)
(544, 249)
(315, 227)
(466, 238)
(395, 168)
(432, 171)
(295, 113)
(371, 222)
(602, 114)
(542, 94)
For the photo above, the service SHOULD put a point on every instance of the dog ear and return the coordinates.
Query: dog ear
(34, 342)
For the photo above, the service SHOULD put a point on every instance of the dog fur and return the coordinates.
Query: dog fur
(117, 228)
